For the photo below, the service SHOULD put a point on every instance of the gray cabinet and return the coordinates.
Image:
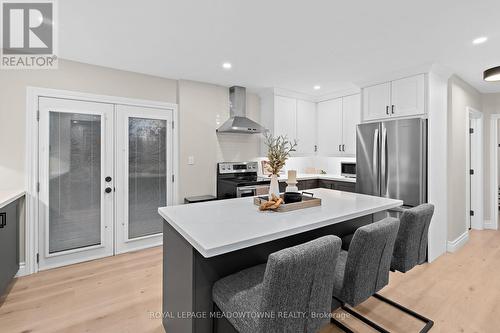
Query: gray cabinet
(337, 185)
(302, 185)
(9, 244)
(321, 183)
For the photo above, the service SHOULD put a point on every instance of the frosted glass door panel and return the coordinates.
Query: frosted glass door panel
(147, 183)
(74, 181)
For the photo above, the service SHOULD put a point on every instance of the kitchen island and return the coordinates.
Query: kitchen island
(206, 241)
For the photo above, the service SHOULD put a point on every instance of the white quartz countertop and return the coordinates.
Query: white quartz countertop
(9, 196)
(324, 176)
(217, 227)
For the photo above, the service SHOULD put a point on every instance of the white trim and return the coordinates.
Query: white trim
(31, 157)
(437, 165)
(476, 198)
(22, 270)
(488, 224)
(493, 222)
(455, 245)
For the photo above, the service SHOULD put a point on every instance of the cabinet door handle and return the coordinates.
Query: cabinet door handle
(387, 109)
(340, 147)
(392, 109)
(343, 147)
(3, 220)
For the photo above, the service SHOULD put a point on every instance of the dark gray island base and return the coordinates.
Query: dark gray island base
(188, 276)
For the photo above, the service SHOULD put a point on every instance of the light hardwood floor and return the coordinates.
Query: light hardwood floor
(460, 291)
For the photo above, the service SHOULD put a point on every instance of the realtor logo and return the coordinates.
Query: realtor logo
(28, 34)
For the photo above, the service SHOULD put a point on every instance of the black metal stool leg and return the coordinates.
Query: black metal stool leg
(365, 320)
(428, 323)
(340, 325)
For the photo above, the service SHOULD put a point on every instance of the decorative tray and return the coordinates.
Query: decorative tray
(307, 202)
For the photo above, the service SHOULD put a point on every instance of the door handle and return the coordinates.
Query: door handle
(343, 147)
(384, 163)
(392, 109)
(108, 190)
(340, 146)
(375, 157)
(3, 220)
(387, 109)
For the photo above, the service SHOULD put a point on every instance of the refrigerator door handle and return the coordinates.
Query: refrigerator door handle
(375, 155)
(383, 163)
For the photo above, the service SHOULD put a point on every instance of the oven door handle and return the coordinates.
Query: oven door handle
(249, 190)
(245, 190)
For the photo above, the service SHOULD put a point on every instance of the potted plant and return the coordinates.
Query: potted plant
(278, 151)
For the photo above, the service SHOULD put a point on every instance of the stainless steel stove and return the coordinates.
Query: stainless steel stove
(240, 179)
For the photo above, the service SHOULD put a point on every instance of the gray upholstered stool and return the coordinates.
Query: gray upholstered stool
(411, 250)
(294, 280)
(364, 269)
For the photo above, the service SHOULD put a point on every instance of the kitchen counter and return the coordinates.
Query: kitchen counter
(209, 240)
(9, 196)
(309, 176)
(217, 227)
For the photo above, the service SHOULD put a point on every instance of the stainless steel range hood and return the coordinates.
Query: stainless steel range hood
(238, 121)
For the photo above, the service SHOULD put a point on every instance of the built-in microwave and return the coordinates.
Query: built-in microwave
(348, 169)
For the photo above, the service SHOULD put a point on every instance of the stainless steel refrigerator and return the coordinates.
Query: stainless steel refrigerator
(391, 160)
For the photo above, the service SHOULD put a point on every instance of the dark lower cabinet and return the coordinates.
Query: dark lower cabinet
(338, 185)
(9, 245)
(315, 183)
(302, 185)
(307, 184)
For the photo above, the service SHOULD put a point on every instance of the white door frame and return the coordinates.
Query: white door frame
(477, 198)
(494, 142)
(32, 163)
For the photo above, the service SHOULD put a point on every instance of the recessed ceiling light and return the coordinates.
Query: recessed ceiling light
(479, 40)
(317, 87)
(227, 65)
(492, 74)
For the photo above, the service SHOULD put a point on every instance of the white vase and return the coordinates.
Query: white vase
(274, 187)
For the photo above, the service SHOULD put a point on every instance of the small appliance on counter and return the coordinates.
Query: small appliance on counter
(348, 169)
(240, 179)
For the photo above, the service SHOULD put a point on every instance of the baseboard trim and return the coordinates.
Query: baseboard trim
(22, 270)
(488, 224)
(456, 244)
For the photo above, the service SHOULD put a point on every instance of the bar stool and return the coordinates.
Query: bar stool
(410, 250)
(291, 293)
(364, 269)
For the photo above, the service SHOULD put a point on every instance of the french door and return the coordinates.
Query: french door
(144, 175)
(104, 169)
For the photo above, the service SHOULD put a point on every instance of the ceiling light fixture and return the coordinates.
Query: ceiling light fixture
(316, 87)
(492, 74)
(227, 65)
(480, 40)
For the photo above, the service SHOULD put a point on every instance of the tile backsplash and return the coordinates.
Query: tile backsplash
(329, 164)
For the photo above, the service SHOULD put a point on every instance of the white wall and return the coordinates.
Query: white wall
(460, 96)
(202, 109)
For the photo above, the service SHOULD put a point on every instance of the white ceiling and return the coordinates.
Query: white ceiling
(282, 43)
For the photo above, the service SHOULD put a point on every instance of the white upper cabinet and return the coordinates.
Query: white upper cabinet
(306, 127)
(330, 127)
(351, 117)
(376, 101)
(398, 98)
(285, 116)
(408, 96)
